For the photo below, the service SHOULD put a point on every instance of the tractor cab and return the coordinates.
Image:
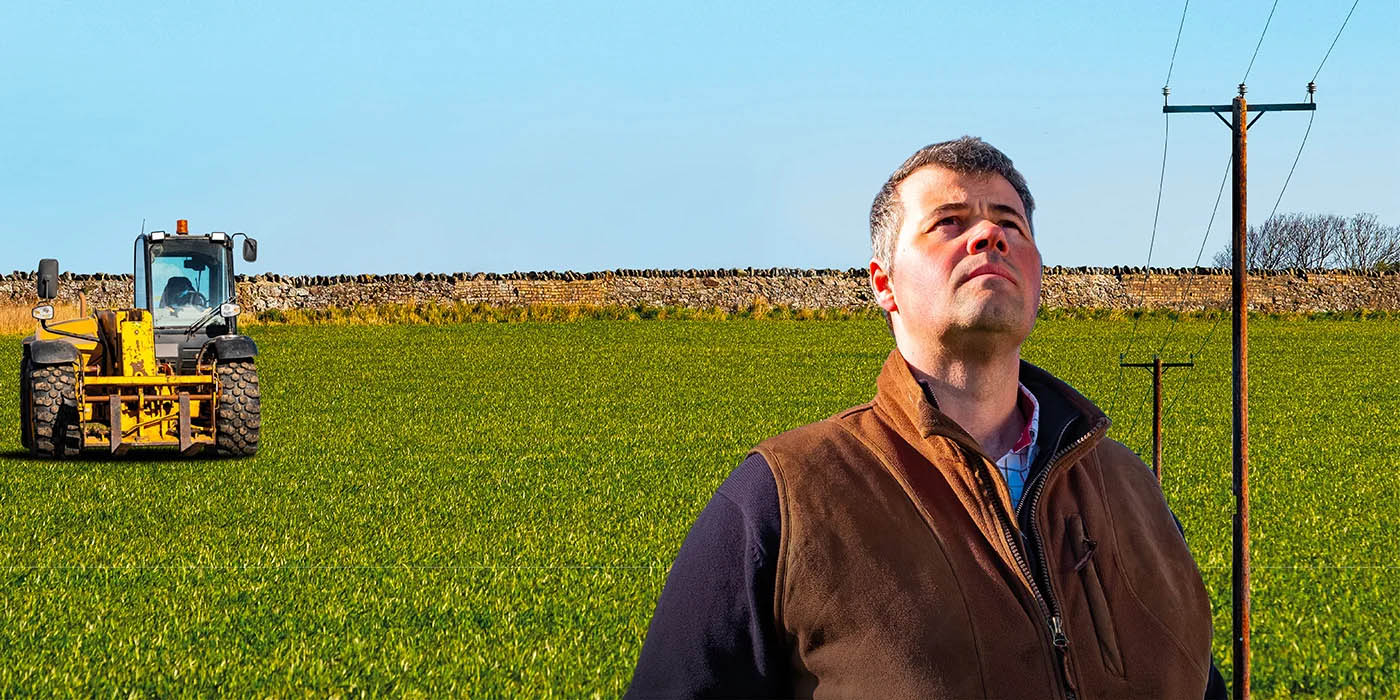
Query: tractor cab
(187, 284)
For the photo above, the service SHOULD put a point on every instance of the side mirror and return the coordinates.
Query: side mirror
(250, 249)
(48, 278)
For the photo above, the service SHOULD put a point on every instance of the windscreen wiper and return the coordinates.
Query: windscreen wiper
(204, 320)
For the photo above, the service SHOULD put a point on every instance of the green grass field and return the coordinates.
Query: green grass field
(491, 509)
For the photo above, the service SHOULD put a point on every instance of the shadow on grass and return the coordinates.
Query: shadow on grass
(133, 455)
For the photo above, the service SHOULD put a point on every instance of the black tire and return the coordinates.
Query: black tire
(53, 412)
(239, 414)
(25, 401)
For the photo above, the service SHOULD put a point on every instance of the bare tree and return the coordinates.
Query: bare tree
(1315, 241)
(1365, 243)
(1308, 241)
(1266, 246)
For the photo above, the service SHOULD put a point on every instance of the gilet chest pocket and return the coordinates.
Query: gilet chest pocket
(1084, 549)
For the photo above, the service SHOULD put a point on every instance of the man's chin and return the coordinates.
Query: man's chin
(996, 320)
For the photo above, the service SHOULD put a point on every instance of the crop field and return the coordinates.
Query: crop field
(490, 509)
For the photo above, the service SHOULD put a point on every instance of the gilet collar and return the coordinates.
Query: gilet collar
(915, 415)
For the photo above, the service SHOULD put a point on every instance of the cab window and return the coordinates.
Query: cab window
(184, 284)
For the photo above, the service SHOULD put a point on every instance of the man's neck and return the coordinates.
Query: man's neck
(978, 391)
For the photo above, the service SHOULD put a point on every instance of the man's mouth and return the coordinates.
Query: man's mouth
(990, 269)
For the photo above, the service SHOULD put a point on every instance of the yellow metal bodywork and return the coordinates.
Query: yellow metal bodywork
(137, 342)
(146, 381)
(127, 398)
(86, 326)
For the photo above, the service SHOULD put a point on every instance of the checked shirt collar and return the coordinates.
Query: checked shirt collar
(1015, 465)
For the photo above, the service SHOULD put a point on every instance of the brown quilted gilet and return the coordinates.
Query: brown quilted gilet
(902, 572)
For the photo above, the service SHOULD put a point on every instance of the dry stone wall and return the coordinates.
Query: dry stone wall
(1094, 288)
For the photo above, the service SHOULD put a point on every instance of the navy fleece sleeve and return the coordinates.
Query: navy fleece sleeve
(713, 633)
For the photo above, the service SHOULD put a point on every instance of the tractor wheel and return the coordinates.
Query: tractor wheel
(53, 411)
(25, 399)
(239, 413)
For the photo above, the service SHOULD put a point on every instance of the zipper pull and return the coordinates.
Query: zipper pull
(1057, 632)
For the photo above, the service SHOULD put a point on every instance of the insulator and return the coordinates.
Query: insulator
(1312, 87)
(1241, 89)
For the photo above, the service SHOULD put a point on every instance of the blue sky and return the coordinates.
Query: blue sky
(444, 136)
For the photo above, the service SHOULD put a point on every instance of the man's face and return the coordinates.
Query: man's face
(965, 268)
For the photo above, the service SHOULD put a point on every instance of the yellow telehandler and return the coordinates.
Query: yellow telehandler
(170, 371)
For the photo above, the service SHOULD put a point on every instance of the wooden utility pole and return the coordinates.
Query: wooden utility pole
(1157, 365)
(1239, 111)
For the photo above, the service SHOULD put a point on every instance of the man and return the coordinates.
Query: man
(971, 532)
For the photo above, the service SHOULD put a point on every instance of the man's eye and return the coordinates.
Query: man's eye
(1008, 223)
(946, 221)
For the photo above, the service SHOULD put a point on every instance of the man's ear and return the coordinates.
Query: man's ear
(880, 283)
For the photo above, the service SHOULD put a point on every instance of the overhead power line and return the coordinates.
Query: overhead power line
(1311, 88)
(1205, 341)
(1186, 380)
(1334, 40)
(1191, 282)
(1245, 79)
(1156, 214)
(1157, 211)
(1291, 169)
(1172, 64)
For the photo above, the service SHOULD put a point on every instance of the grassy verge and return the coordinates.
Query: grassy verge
(438, 314)
(17, 319)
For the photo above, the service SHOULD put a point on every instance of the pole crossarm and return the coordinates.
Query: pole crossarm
(1222, 109)
(1157, 365)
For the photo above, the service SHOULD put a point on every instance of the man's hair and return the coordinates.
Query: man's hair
(968, 154)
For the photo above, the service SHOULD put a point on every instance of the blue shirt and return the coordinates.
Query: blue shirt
(1015, 465)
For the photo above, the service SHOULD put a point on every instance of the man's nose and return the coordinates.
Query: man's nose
(986, 235)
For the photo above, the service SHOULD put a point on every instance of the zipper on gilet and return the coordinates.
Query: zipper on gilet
(1040, 586)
